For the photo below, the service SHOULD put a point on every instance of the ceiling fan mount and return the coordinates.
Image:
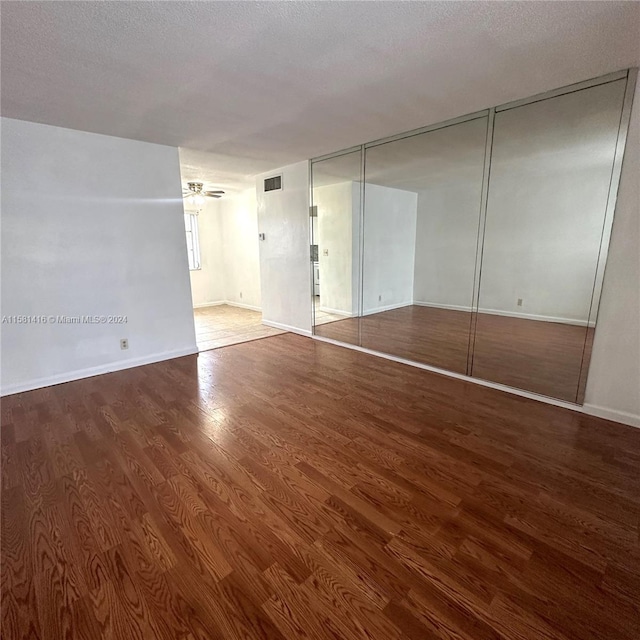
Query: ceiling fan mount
(196, 191)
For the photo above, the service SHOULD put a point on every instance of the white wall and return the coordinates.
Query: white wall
(335, 237)
(446, 240)
(230, 273)
(550, 171)
(284, 254)
(448, 178)
(208, 282)
(241, 250)
(613, 386)
(389, 248)
(91, 225)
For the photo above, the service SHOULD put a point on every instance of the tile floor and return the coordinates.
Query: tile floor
(322, 317)
(223, 325)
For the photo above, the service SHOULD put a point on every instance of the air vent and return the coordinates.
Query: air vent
(273, 184)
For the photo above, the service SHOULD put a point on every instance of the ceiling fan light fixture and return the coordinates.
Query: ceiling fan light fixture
(195, 195)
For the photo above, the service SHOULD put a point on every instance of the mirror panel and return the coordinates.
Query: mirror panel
(551, 168)
(335, 249)
(478, 245)
(422, 205)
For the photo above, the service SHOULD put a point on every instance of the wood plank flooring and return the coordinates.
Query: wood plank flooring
(223, 325)
(288, 488)
(542, 357)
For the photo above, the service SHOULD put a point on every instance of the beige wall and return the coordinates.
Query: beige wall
(240, 249)
(613, 387)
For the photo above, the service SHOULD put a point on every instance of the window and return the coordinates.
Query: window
(193, 244)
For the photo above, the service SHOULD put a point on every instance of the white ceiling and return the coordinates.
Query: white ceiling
(246, 87)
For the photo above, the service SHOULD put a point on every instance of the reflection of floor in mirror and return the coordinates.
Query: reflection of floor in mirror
(543, 357)
(322, 317)
(223, 325)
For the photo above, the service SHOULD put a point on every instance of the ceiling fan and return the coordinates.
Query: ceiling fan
(195, 193)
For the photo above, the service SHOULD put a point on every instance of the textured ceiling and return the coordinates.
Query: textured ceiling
(245, 87)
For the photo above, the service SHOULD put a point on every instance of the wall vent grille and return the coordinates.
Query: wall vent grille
(273, 184)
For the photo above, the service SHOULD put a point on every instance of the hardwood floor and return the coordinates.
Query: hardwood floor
(542, 357)
(288, 488)
(223, 325)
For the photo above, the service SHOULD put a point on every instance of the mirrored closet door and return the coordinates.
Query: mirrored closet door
(478, 245)
(422, 204)
(551, 168)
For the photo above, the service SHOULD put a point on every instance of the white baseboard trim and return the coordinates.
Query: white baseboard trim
(388, 307)
(336, 312)
(614, 415)
(509, 314)
(450, 307)
(533, 316)
(286, 327)
(209, 304)
(89, 372)
(240, 305)
(599, 412)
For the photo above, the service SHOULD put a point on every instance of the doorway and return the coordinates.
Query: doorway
(224, 269)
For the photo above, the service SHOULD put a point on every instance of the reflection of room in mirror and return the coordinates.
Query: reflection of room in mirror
(336, 233)
(324, 317)
(551, 167)
(479, 259)
(421, 217)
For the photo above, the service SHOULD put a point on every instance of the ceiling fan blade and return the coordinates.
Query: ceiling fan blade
(214, 193)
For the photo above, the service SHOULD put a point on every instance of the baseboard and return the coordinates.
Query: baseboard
(388, 307)
(209, 304)
(336, 312)
(450, 307)
(532, 316)
(508, 314)
(630, 419)
(79, 374)
(242, 305)
(286, 327)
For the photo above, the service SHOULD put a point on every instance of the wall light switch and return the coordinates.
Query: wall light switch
(325, 252)
(262, 236)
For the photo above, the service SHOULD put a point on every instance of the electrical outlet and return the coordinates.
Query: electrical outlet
(380, 298)
(325, 252)
(124, 343)
(241, 295)
(519, 302)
